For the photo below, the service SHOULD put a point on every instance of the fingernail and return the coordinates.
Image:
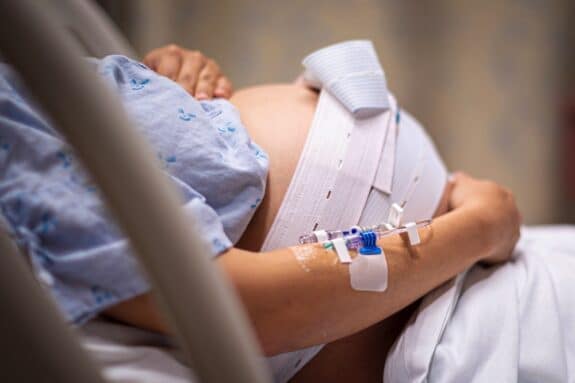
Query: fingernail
(201, 95)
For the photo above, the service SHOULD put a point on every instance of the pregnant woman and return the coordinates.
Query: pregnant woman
(297, 297)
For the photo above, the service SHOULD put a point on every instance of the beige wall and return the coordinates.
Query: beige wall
(483, 76)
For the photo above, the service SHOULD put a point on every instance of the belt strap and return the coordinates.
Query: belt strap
(335, 173)
(351, 72)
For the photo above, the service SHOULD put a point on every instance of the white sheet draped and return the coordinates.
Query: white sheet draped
(508, 323)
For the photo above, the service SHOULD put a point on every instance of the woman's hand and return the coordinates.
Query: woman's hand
(495, 206)
(198, 74)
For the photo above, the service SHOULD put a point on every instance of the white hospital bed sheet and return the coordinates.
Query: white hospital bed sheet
(508, 323)
(129, 355)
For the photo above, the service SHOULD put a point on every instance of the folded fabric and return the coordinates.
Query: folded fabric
(351, 72)
(505, 323)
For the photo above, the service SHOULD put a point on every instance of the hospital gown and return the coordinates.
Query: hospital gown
(55, 212)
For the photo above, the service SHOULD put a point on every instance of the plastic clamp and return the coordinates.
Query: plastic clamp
(412, 233)
(341, 250)
(395, 215)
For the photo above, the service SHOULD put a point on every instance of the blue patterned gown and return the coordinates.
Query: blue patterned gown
(56, 214)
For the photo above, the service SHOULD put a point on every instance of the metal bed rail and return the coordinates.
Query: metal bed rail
(37, 345)
(202, 308)
(93, 30)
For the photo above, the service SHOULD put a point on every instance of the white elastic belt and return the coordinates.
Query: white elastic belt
(304, 207)
(351, 72)
(342, 159)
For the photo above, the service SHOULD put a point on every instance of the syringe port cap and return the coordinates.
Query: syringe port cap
(374, 250)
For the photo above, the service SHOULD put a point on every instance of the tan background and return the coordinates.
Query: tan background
(487, 78)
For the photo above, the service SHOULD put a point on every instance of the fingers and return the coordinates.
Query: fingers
(193, 63)
(224, 88)
(169, 66)
(165, 61)
(207, 80)
(151, 59)
(458, 176)
(198, 75)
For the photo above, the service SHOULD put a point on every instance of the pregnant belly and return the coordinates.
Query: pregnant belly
(278, 118)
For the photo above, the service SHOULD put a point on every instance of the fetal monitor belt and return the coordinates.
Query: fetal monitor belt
(351, 71)
(343, 158)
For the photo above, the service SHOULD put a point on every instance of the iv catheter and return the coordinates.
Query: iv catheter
(353, 236)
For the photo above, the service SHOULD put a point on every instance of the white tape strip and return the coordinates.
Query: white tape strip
(412, 233)
(369, 273)
(321, 235)
(341, 250)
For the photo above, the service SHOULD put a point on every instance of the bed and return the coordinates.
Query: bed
(505, 323)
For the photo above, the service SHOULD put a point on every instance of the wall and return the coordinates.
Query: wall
(485, 77)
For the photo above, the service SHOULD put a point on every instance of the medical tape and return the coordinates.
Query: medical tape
(412, 233)
(369, 273)
(341, 250)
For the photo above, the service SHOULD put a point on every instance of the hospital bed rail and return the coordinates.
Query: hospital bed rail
(94, 32)
(199, 302)
(36, 343)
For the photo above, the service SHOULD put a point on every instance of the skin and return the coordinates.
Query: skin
(481, 223)
(278, 118)
(199, 75)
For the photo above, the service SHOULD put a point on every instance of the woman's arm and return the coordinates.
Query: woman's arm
(296, 300)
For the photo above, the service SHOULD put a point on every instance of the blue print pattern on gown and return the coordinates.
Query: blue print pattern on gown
(55, 212)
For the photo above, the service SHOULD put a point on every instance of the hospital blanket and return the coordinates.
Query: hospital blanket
(508, 323)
